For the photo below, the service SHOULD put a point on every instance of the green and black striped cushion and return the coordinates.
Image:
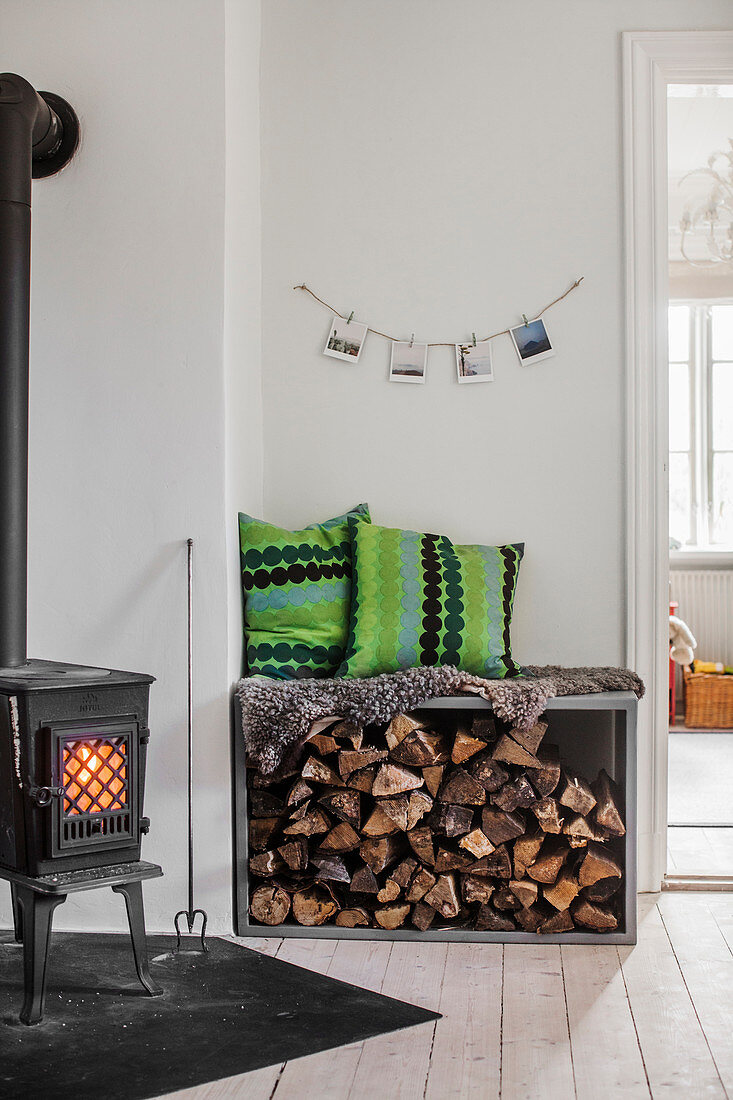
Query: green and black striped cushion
(416, 599)
(297, 588)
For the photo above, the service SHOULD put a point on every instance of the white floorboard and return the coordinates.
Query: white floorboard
(535, 1022)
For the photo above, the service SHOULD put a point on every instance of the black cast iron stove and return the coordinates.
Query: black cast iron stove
(73, 739)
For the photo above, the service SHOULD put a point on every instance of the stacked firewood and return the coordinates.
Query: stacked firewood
(441, 822)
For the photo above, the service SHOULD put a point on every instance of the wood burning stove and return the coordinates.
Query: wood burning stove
(73, 739)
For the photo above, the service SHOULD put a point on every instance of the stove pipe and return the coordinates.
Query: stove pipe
(39, 133)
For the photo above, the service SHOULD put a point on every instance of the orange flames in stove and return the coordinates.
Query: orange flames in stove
(95, 775)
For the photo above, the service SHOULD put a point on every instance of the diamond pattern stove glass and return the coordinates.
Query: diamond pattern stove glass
(95, 775)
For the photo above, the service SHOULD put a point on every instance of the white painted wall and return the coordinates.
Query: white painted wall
(128, 440)
(441, 168)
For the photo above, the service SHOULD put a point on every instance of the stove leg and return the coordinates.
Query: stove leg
(133, 895)
(37, 919)
(17, 913)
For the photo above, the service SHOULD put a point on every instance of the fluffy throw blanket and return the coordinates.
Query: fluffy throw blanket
(278, 715)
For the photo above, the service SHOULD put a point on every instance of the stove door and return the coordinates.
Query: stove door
(96, 767)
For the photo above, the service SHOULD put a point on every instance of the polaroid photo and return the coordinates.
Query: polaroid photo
(345, 340)
(532, 342)
(473, 362)
(409, 361)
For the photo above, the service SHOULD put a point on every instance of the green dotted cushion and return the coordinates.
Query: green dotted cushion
(297, 588)
(419, 600)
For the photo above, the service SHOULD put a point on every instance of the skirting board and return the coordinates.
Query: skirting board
(618, 752)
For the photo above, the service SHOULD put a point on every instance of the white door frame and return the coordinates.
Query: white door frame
(651, 60)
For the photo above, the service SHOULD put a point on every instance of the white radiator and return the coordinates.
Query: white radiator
(705, 598)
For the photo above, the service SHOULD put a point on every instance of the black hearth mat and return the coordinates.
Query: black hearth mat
(224, 1013)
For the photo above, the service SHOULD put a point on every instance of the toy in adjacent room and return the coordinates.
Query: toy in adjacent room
(682, 641)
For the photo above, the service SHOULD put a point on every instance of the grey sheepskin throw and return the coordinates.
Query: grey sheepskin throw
(278, 715)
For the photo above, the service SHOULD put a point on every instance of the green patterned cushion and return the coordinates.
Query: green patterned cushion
(419, 600)
(297, 586)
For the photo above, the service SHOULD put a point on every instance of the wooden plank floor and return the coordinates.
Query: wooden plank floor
(524, 1022)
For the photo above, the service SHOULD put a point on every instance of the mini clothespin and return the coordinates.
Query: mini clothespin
(412, 339)
(351, 317)
(524, 318)
(474, 338)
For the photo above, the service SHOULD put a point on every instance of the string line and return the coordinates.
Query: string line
(445, 344)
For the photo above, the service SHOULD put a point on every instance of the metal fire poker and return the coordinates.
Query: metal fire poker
(191, 913)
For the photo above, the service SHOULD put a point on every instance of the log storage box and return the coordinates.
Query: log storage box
(448, 824)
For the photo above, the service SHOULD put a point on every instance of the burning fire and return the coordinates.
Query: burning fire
(95, 776)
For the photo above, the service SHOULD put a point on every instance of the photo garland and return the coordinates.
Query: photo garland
(409, 358)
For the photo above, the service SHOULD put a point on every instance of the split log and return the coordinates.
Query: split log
(404, 872)
(318, 771)
(353, 760)
(598, 917)
(378, 854)
(421, 842)
(509, 752)
(270, 904)
(345, 805)
(506, 899)
(475, 889)
(525, 852)
(562, 892)
(394, 779)
(526, 892)
(602, 890)
(497, 864)
(331, 869)
(300, 811)
(299, 792)
(418, 805)
(550, 861)
(488, 920)
(399, 727)
(520, 794)
(396, 809)
(547, 814)
(423, 916)
(443, 897)
(607, 813)
(530, 919)
(447, 859)
(314, 822)
(461, 789)
(323, 743)
(433, 777)
(561, 922)
(265, 864)
(421, 748)
(389, 892)
(597, 864)
(313, 906)
(363, 779)
(529, 739)
(265, 804)
(451, 820)
(421, 882)
(392, 916)
(261, 831)
(342, 838)
(363, 881)
(477, 843)
(379, 824)
(353, 918)
(295, 853)
(576, 794)
(500, 826)
(348, 731)
(546, 778)
(579, 830)
(488, 772)
(465, 746)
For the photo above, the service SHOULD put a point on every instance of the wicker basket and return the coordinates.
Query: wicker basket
(708, 700)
